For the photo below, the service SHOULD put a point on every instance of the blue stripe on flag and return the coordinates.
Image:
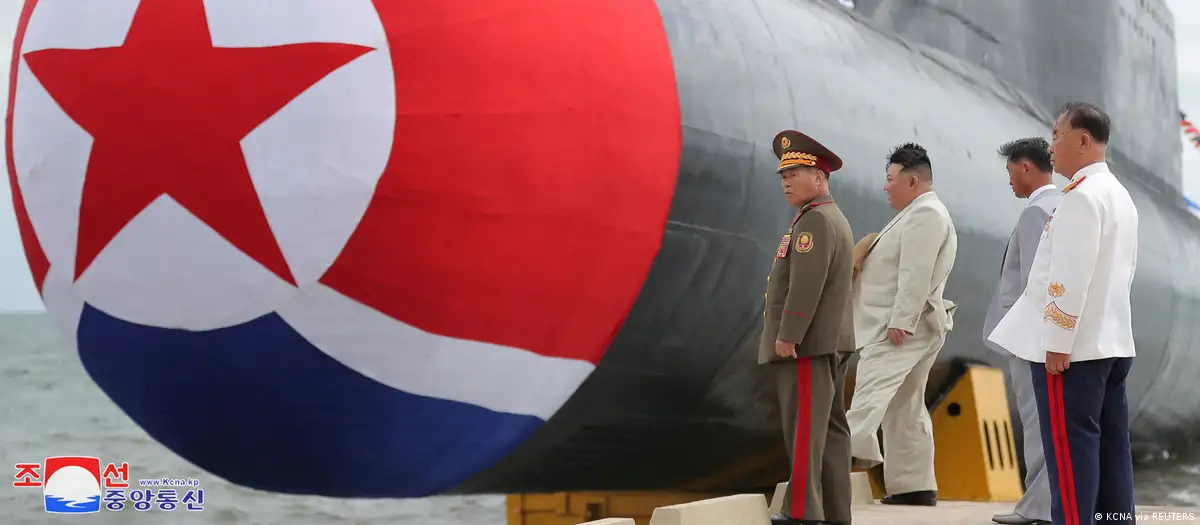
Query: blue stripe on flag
(260, 406)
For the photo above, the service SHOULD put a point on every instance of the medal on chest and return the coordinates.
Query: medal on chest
(784, 244)
(804, 243)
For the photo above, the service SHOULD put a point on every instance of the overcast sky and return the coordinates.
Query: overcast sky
(16, 286)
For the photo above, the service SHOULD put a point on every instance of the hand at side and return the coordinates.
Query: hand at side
(785, 349)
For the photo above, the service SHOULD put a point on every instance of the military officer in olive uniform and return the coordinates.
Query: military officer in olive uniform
(808, 334)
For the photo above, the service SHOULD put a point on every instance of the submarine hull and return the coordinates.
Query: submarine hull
(678, 401)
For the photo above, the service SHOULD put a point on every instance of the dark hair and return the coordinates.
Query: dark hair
(911, 156)
(1032, 149)
(1081, 115)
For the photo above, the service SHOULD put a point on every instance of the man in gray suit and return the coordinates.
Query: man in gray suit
(1030, 175)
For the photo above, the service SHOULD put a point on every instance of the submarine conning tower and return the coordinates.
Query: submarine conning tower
(1118, 54)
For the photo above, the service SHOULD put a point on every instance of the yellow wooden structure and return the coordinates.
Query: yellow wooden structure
(975, 453)
(571, 508)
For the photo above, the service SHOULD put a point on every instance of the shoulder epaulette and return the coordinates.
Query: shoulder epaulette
(1072, 185)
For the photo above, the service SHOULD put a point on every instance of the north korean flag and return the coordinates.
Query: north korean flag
(341, 247)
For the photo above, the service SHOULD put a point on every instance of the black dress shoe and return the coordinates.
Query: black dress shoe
(1016, 519)
(926, 498)
(780, 519)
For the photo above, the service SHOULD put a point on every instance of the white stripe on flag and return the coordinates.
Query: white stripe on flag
(406, 358)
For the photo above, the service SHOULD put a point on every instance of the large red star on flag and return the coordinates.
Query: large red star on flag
(167, 111)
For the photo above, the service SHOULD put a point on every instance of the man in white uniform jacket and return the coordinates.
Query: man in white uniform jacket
(900, 324)
(1073, 322)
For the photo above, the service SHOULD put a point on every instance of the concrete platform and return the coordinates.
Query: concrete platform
(969, 513)
(739, 509)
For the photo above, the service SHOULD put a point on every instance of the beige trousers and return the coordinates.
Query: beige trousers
(889, 391)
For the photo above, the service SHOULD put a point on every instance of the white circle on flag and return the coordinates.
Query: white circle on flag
(314, 165)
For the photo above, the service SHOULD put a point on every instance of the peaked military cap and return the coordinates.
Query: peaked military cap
(797, 149)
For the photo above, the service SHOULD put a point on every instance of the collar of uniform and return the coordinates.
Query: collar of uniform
(1090, 169)
(817, 201)
(1037, 192)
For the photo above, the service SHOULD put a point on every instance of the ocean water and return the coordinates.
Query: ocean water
(49, 407)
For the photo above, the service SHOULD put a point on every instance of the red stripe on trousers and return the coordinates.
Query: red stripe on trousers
(799, 483)
(1062, 448)
(1067, 448)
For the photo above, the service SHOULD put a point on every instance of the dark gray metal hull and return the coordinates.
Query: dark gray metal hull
(678, 401)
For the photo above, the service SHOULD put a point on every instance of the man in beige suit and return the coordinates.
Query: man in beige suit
(900, 324)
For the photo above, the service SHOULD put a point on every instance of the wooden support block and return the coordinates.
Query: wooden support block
(740, 509)
(611, 521)
(860, 489)
(860, 492)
